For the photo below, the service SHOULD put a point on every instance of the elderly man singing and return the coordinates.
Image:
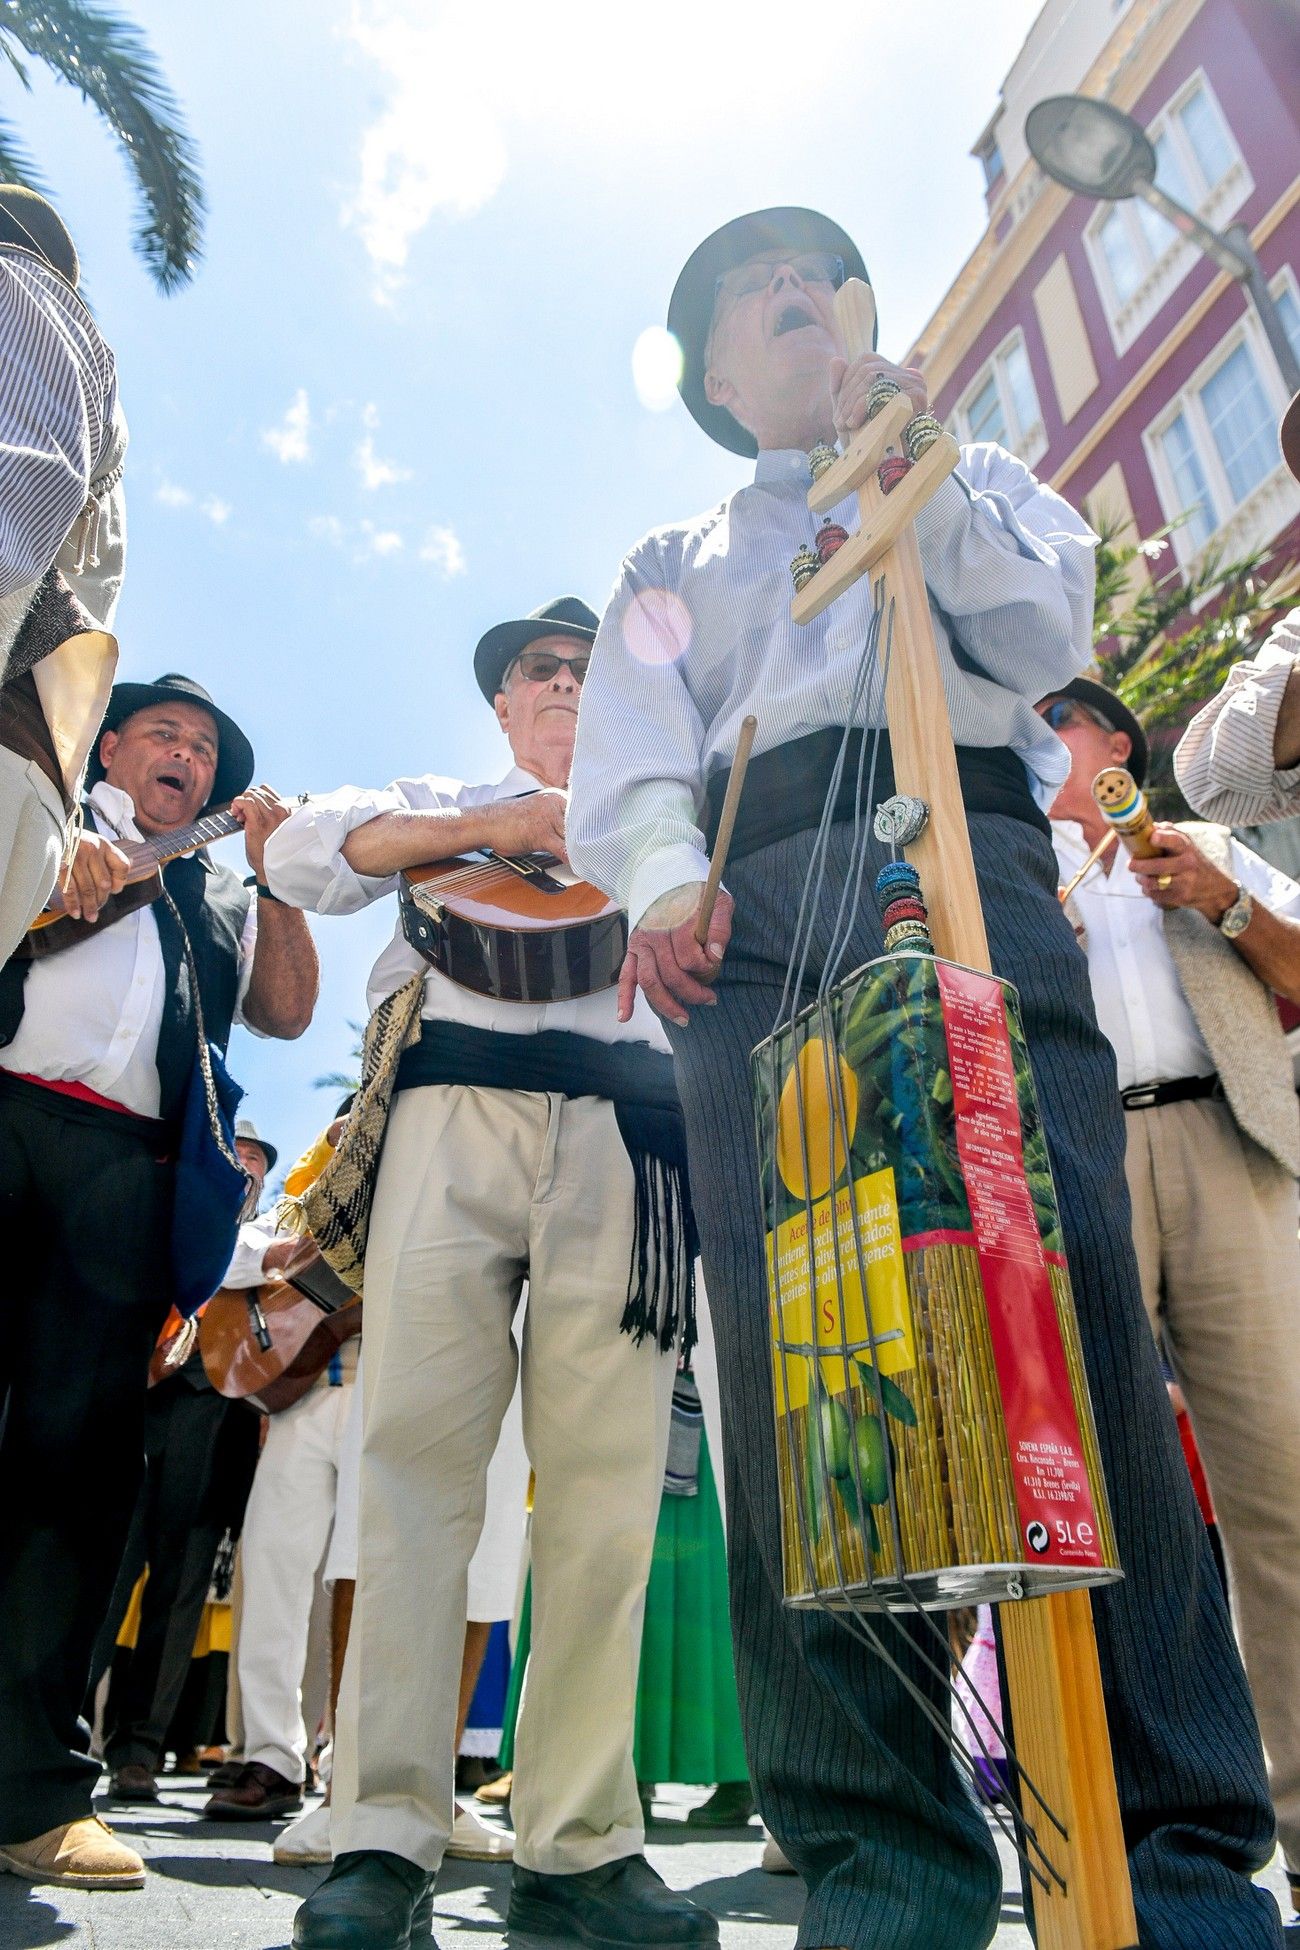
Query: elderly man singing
(865, 1801)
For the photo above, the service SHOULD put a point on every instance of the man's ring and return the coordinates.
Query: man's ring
(1164, 880)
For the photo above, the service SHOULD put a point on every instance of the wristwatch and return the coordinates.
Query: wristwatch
(1237, 918)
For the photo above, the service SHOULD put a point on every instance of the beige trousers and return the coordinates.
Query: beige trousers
(33, 833)
(1214, 1223)
(479, 1190)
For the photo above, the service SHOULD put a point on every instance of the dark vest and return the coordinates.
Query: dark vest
(214, 904)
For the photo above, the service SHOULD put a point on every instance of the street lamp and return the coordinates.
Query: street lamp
(1095, 149)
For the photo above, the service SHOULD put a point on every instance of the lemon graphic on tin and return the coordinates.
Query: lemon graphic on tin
(828, 1131)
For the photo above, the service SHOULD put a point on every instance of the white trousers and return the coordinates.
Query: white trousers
(33, 831)
(478, 1190)
(286, 1530)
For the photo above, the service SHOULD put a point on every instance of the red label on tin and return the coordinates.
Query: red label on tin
(1058, 1520)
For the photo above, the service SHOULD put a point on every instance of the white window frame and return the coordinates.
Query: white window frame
(1286, 280)
(1129, 317)
(1030, 442)
(1271, 503)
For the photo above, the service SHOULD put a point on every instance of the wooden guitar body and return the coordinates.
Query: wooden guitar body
(303, 1339)
(522, 930)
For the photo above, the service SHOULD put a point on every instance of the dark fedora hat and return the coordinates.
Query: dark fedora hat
(499, 646)
(234, 753)
(690, 309)
(1289, 436)
(30, 223)
(1117, 715)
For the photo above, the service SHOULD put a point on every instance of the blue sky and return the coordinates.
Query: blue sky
(398, 403)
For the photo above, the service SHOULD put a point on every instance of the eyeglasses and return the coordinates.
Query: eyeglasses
(539, 666)
(1063, 712)
(810, 267)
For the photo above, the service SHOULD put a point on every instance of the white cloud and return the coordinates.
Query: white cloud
(291, 440)
(442, 547)
(462, 83)
(169, 494)
(327, 528)
(379, 541)
(375, 473)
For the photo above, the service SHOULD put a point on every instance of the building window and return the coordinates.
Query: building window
(1001, 403)
(992, 164)
(1287, 301)
(1138, 257)
(1215, 447)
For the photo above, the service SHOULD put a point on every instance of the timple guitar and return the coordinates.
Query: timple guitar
(266, 1345)
(54, 928)
(517, 929)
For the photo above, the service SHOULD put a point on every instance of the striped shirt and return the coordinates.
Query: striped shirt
(698, 633)
(56, 410)
(1224, 760)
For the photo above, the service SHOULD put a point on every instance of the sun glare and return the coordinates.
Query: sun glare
(656, 368)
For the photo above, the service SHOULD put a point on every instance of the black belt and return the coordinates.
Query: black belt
(785, 789)
(550, 1060)
(1179, 1090)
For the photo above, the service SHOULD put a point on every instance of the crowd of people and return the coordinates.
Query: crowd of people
(272, 1532)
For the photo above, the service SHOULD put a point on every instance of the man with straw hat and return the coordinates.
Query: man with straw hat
(855, 1785)
(1238, 761)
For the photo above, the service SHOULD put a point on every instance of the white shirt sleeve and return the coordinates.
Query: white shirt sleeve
(636, 791)
(245, 1268)
(304, 861)
(1269, 885)
(1012, 566)
(1224, 759)
(55, 407)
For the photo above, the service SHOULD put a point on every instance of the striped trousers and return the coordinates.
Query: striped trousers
(861, 1793)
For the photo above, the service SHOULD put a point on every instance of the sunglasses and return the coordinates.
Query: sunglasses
(810, 267)
(1066, 711)
(539, 666)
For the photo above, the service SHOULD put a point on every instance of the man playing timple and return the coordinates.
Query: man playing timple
(98, 1044)
(862, 1797)
(508, 1157)
(1185, 952)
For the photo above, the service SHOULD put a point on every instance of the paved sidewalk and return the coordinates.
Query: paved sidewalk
(213, 1886)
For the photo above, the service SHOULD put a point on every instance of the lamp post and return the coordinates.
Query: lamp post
(1096, 150)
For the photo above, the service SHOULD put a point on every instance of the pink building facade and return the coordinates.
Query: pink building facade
(1093, 340)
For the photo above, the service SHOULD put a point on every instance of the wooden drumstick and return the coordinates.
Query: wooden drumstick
(1108, 838)
(726, 822)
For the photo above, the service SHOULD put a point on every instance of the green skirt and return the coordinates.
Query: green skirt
(687, 1716)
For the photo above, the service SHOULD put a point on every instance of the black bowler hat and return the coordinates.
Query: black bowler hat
(690, 309)
(30, 223)
(234, 753)
(1117, 715)
(499, 646)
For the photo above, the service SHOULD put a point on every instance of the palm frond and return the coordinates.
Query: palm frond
(18, 67)
(110, 64)
(16, 166)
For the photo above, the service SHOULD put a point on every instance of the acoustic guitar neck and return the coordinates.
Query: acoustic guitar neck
(147, 857)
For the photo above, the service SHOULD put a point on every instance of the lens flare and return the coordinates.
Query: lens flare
(657, 627)
(656, 368)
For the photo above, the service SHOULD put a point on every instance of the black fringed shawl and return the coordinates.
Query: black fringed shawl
(638, 1081)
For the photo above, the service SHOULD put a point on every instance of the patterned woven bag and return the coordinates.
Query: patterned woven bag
(335, 1211)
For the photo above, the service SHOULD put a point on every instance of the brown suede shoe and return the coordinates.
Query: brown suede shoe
(81, 1854)
(260, 1794)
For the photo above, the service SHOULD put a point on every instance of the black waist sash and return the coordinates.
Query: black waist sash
(785, 789)
(638, 1082)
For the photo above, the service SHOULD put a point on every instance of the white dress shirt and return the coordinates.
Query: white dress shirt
(93, 1013)
(304, 865)
(1140, 1003)
(698, 633)
(245, 1268)
(1224, 760)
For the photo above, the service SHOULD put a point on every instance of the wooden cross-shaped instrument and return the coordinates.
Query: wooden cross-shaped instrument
(1057, 1709)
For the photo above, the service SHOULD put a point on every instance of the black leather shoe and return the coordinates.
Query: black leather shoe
(622, 1905)
(370, 1900)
